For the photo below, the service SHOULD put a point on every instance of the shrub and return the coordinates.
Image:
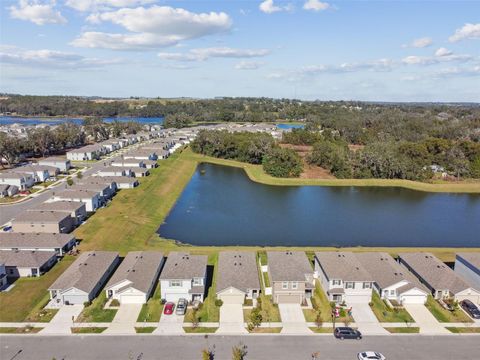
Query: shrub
(282, 163)
(115, 302)
(256, 317)
(218, 302)
(239, 352)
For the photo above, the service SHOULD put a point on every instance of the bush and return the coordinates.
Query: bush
(115, 302)
(69, 181)
(256, 317)
(282, 163)
(218, 302)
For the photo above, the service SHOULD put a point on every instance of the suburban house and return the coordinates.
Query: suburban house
(184, 276)
(342, 277)
(76, 209)
(127, 163)
(91, 198)
(441, 280)
(89, 152)
(58, 243)
(26, 263)
(237, 277)
(113, 171)
(84, 279)
(391, 280)
(150, 164)
(8, 190)
(21, 180)
(143, 154)
(60, 163)
(135, 279)
(467, 266)
(39, 173)
(121, 182)
(3, 277)
(105, 188)
(291, 276)
(53, 222)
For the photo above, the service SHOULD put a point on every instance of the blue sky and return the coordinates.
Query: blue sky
(309, 49)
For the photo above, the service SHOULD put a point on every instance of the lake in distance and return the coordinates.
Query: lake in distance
(222, 206)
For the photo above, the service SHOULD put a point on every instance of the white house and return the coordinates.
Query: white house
(92, 199)
(184, 276)
(127, 163)
(467, 266)
(60, 163)
(23, 263)
(114, 171)
(391, 280)
(84, 279)
(122, 182)
(8, 190)
(57, 243)
(343, 277)
(22, 181)
(90, 152)
(141, 155)
(39, 173)
(135, 279)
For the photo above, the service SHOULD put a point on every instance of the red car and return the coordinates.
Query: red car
(168, 309)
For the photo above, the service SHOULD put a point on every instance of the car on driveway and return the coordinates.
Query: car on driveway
(181, 307)
(347, 333)
(168, 309)
(470, 308)
(370, 355)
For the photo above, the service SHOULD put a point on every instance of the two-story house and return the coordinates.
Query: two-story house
(291, 276)
(184, 276)
(343, 277)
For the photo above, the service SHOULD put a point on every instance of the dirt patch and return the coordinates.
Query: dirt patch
(354, 147)
(309, 171)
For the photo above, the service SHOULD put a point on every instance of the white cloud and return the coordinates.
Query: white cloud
(458, 71)
(50, 58)
(422, 42)
(248, 65)
(269, 7)
(441, 55)
(468, 31)
(38, 12)
(315, 5)
(443, 52)
(153, 27)
(97, 5)
(203, 54)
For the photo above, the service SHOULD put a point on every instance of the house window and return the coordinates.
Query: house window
(337, 282)
(349, 285)
(392, 292)
(295, 285)
(284, 285)
(175, 283)
(367, 285)
(197, 281)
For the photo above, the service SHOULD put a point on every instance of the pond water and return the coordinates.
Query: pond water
(7, 120)
(222, 206)
(290, 126)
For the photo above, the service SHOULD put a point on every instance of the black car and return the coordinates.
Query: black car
(471, 309)
(347, 333)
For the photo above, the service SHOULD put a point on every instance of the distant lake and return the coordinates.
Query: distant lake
(222, 206)
(7, 120)
(290, 126)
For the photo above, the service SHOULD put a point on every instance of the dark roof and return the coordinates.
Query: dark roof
(181, 265)
(37, 240)
(237, 269)
(53, 217)
(288, 265)
(25, 258)
(342, 265)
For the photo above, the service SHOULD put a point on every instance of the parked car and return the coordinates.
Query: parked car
(181, 306)
(7, 229)
(168, 309)
(347, 333)
(470, 308)
(370, 355)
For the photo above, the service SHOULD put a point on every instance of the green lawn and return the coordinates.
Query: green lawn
(266, 330)
(269, 311)
(95, 312)
(88, 330)
(200, 330)
(152, 310)
(145, 330)
(29, 296)
(20, 330)
(44, 315)
(403, 330)
(464, 330)
(444, 315)
(322, 330)
(387, 314)
(320, 303)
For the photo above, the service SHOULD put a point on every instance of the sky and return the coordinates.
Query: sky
(309, 49)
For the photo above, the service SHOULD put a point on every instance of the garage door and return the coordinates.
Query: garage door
(413, 299)
(74, 299)
(289, 299)
(232, 298)
(175, 297)
(132, 299)
(357, 299)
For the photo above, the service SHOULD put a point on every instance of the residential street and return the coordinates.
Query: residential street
(259, 347)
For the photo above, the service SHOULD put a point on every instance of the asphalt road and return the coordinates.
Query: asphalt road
(188, 347)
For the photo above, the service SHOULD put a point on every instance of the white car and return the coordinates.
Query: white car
(370, 355)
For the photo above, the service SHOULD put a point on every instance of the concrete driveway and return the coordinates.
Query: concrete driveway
(125, 319)
(425, 320)
(231, 319)
(62, 321)
(293, 320)
(366, 320)
(170, 324)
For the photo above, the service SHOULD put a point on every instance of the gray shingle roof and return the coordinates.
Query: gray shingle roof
(40, 240)
(85, 272)
(342, 265)
(434, 272)
(472, 257)
(53, 217)
(138, 267)
(288, 265)
(25, 258)
(181, 265)
(59, 206)
(237, 269)
(77, 194)
(120, 179)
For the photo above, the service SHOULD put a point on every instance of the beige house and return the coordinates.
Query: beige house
(53, 222)
(291, 276)
(58, 243)
(76, 209)
(23, 263)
